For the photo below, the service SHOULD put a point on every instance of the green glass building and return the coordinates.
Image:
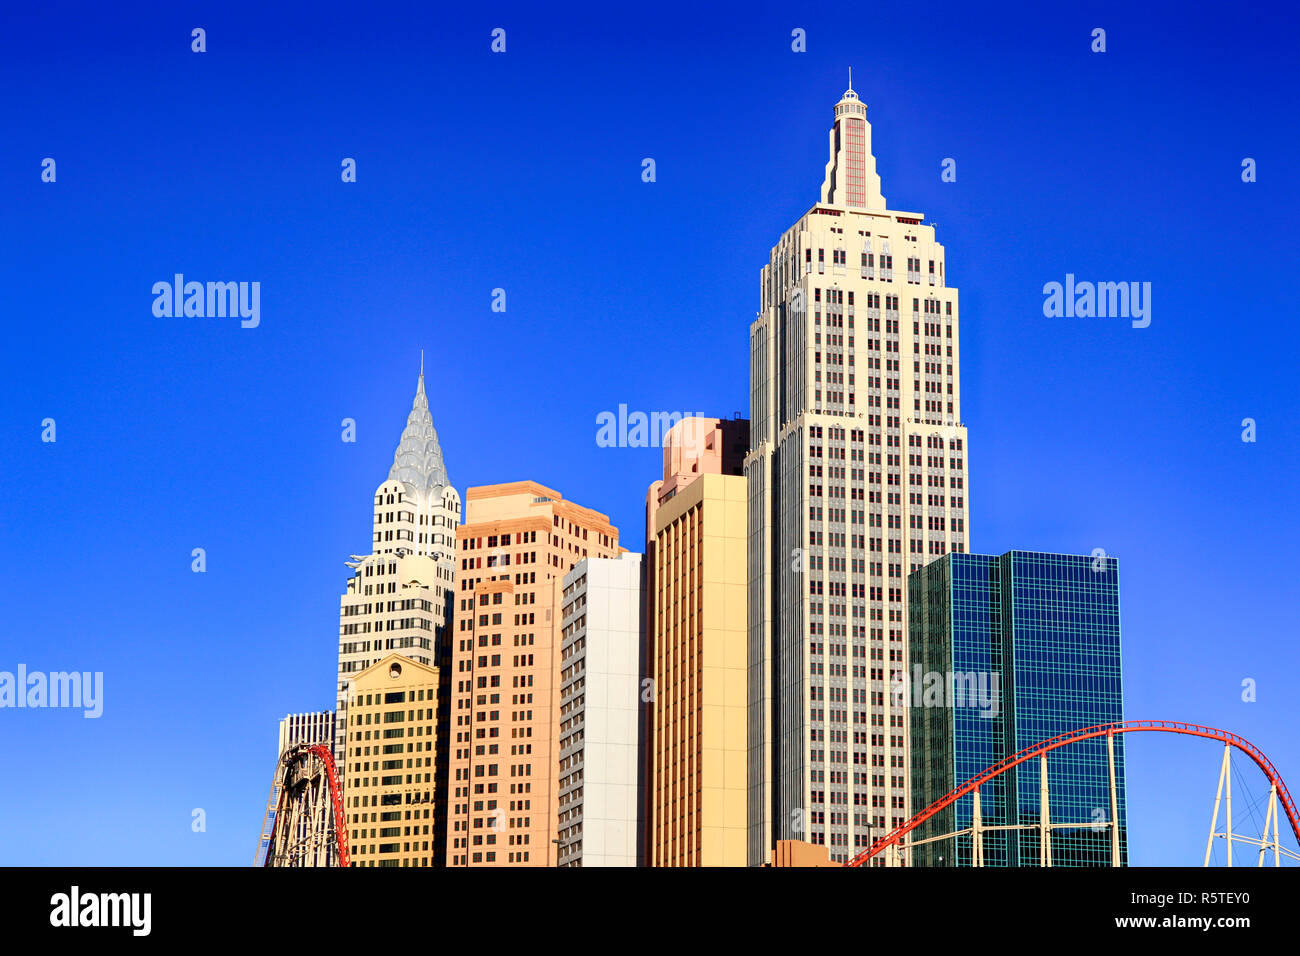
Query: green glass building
(1006, 652)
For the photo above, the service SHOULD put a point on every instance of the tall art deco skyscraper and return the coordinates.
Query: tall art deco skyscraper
(398, 599)
(856, 478)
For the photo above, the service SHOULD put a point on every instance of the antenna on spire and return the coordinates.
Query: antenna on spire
(421, 363)
(850, 77)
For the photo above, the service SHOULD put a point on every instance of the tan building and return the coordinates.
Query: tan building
(390, 791)
(697, 645)
(518, 542)
(856, 478)
(399, 596)
(801, 854)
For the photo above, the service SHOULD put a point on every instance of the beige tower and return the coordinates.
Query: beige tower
(696, 614)
(390, 794)
(518, 542)
(856, 477)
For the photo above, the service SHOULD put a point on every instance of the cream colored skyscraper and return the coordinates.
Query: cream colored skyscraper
(399, 597)
(856, 477)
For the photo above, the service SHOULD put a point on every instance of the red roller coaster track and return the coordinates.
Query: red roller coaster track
(336, 795)
(1086, 733)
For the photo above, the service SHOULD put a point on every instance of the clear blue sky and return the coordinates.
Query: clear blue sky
(522, 171)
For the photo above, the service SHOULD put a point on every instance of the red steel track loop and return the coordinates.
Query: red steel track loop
(336, 794)
(1086, 733)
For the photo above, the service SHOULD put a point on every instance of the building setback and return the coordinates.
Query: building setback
(602, 722)
(518, 542)
(697, 647)
(1030, 645)
(856, 478)
(391, 791)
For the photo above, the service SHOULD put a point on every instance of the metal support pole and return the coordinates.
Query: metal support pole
(1268, 819)
(1277, 859)
(1114, 802)
(1218, 798)
(1227, 791)
(976, 834)
(1044, 816)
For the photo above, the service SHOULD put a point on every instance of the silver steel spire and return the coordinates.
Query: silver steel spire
(418, 460)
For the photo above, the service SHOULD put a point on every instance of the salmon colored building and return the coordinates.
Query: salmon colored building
(518, 542)
(697, 647)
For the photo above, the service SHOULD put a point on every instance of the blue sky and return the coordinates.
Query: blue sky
(522, 171)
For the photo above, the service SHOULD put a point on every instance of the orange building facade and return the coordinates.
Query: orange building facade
(518, 542)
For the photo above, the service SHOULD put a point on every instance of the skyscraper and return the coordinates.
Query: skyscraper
(856, 478)
(518, 542)
(399, 596)
(1007, 652)
(697, 644)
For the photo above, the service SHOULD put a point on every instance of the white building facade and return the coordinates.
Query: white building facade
(313, 728)
(602, 724)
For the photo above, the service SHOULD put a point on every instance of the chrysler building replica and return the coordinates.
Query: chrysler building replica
(399, 596)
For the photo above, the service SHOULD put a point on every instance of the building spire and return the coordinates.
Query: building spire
(418, 460)
(851, 179)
